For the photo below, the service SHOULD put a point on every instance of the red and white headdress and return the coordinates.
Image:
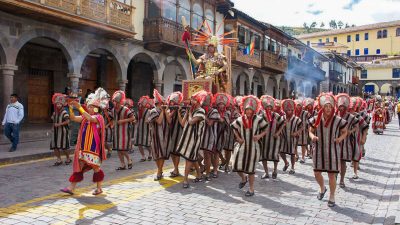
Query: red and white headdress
(200, 96)
(175, 98)
(323, 99)
(146, 102)
(267, 101)
(222, 98)
(250, 102)
(308, 101)
(355, 103)
(238, 100)
(288, 104)
(343, 99)
(119, 96)
(129, 103)
(99, 98)
(59, 98)
(157, 97)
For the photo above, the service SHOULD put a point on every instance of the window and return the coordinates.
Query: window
(257, 40)
(249, 34)
(273, 46)
(378, 51)
(327, 40)
(184, 10)
(398, 32)
(154, 8)
(364, 74)
(357, 37)
(366, 36)
(348, 38)
(365, 51)
(396, 72)
(335, 39)
(308, 43)
(241, 35)
(169, 10)
(210, 19)
(320, 40)
(197, 16)
(348, 52)
(267, 42)
(384, 34)
(379, 34)
(357, 51)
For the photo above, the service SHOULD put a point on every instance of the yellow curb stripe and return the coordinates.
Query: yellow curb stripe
(7, 164)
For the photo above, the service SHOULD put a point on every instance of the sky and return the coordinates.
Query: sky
(296, 12)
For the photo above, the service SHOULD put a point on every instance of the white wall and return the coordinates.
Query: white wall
(138, 18)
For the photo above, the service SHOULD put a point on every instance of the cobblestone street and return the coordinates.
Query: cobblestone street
(29, 194)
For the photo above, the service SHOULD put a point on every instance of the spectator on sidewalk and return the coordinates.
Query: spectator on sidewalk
(12, 119)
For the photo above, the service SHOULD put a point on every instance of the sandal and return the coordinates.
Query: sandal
(331, 204)
(142, 160)
(242, 184)
(342, 185)
(66, 190)
(97, 192)
(265, 176)
(207, 178)
(285, 167)
(173, 174)
(355, 177)
(197, 180)
(320, 196)
(292, 171)
(121, 168)
(214, 175)
(57, 164)
(149, 158)
(130, 165)
(302, 161)
(249, 194)
(185, 185)
(158, 177)
(67, 162)
(274, 175)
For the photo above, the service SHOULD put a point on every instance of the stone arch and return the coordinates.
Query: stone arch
(385, 88)
(371, 87)
(257, 84)
(62, 42)
(272, 88)
(242, 84)
(284, 86)
(142, 76)
(173, 75)
(100, 68)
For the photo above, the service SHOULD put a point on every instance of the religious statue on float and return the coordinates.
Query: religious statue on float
(212, 65)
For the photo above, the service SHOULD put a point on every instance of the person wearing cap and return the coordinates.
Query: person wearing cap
(222, 102)
(291, 131)
(327, 130)
(249, 130)
(229, 145)
(142, 128)
(271, 141)
(347, 146)
(209, 142)
(303, 113)
(89, 150)
(193, 132)
(175, 115)
(60, 135)
(122, 116)
(159, 132)
(129, 103)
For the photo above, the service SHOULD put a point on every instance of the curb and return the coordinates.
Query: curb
(24, 158)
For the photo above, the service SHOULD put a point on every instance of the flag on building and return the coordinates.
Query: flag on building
(249, 50)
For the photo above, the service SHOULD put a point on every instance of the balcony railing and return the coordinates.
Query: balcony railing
(272, 61)
(335, 75)
(161, 29)
(367, 58)
(239, 56)
(307, 70)
(109, 12)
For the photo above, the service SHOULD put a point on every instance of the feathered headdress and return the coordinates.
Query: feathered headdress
(222, 98)
(146, 102)
(175, 98)
(59, 98)
(343, 99)
(119, 96)
(355, 103)
(323, 99)
(288, 104)
(129, 103)
(238, 100)
(250, 102)
(206, 37)
(200, 96)
(157, 97)
(267, 101)
(98, 99)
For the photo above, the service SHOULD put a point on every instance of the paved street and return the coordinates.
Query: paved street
(29, 195)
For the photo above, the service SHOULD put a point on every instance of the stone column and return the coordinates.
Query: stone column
(122, 84)
(278, 86)
(74, 80)
(7, 78)
(158, 84)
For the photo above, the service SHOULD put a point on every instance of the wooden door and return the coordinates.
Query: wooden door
(39, 96)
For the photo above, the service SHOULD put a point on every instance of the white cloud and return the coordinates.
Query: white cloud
(296, 12)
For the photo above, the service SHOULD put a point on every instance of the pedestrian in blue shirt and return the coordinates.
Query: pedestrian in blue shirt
(12, 119)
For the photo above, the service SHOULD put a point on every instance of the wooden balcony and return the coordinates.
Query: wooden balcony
(246, 60)
(335, 75)
(107, 17)
(274, 62)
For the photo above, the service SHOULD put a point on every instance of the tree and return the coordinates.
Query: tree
(340, 24)
(353, 25)
(347, 25)
(322, 25)
(313, 25)
(332, 24)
